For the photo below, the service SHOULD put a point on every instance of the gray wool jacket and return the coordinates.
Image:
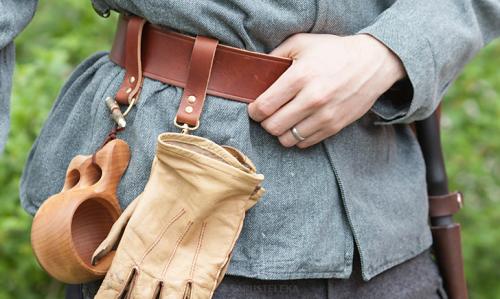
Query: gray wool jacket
(364, 187)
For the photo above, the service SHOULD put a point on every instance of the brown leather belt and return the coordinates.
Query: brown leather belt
(178, 59)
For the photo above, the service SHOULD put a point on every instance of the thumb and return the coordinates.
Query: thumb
(115, 233)
(290, 48)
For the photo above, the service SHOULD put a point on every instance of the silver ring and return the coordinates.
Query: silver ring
(297, 135)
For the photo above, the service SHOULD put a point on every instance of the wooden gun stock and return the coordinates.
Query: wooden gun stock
(442, 206)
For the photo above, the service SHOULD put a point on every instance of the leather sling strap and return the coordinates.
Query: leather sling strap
(132, 82)
(200, 68)
(236, 74)
(445, 205)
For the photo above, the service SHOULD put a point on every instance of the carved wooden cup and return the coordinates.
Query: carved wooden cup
(70, 225)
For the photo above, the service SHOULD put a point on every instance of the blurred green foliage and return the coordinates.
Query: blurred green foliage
(62, 35)
(59, 37)
(471, 140)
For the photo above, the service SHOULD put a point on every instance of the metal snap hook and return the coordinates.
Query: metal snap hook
(186, 128)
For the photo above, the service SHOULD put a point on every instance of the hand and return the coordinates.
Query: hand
(332, 82)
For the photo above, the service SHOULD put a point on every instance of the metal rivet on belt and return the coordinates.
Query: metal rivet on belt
(129, 90)
(188, 109)
(191, 99)
(132, 79)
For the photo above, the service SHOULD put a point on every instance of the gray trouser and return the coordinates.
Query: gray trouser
(417, 278)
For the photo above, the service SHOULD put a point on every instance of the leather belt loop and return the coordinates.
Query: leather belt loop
(445, 205)
(132, 82)
(200, 68)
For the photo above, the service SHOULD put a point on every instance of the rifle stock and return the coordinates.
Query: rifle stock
(442, 205)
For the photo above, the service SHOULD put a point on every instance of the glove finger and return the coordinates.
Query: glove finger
(114, 234)
(144, 287)
(117, 282)
(175, 291)
(199, 291)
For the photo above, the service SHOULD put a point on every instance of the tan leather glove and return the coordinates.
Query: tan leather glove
(179, 233)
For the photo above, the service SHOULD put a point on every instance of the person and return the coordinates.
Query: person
(345, 213)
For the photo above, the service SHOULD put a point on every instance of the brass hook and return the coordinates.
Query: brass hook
(185, 128)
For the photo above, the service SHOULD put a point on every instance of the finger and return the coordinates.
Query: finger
(328, 122)
(288, 48)
(114, 234)
(202, 290)
(305, 128)
(321, 124)
(278, 94)
(305, 103)
(315, 138)
(145, 287)
(117, 281)
(174, 291)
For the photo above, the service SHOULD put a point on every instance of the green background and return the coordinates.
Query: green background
(63, 33)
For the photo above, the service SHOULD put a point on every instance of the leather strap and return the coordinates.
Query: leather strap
(237, 74)
(200, 68)
(445, 205)
(132, 82)
(448, 251)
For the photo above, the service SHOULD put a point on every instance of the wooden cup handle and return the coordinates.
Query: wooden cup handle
(104, 170)
(70, 225)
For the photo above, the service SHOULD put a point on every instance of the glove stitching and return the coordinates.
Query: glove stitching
(179, 240)
(198, 249)
(160, 236)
